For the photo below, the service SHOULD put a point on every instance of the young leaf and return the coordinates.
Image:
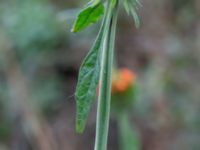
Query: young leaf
(87, 83)
(130, 7)
(91, 14)
(135, 17)
(126, 6)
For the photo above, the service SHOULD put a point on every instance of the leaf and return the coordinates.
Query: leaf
(130, 7)
(126, 6)
(135, 17)
(87, 83)
(91, 14)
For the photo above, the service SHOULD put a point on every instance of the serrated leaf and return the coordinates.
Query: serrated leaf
(90, 15)
(87, 83)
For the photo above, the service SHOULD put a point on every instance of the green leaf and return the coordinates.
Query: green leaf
(91, 14)
(135, 17)
(87, 83)
(130, 7)
(126, 6)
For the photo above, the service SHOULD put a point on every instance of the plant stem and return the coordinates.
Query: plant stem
(103, 112)
(128, 138)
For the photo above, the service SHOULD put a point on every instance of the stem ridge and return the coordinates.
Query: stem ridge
(103, 111)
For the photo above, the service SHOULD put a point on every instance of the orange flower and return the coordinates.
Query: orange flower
(122, 80)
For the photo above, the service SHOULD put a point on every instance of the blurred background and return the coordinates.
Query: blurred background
(40, 58)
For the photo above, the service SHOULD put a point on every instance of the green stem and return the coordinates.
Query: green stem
(103, 112)
(122, 121)
(128, 138)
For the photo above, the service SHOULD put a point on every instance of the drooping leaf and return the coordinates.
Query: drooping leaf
(130, 7)
(87, 83)
(126, 6)
(91, 14)
(135, 17)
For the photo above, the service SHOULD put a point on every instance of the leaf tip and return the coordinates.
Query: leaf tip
(73, 30)
(80, 127)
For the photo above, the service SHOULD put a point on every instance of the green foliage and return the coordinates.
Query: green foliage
(93, 71)
(90, 68)
(130, 7)
(89, 76)
(104, 100)
(87, 83)
(91, 14)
